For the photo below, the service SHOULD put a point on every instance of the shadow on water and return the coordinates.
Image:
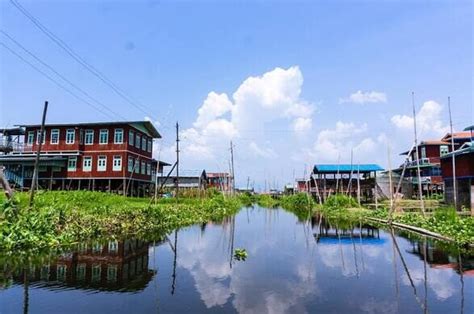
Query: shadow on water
(294, 265)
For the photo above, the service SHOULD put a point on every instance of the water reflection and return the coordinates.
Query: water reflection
(293, 266)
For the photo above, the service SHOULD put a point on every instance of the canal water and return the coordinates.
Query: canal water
(293, 266)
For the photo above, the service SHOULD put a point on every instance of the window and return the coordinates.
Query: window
(97, 248)
(423, 152)
(144, 140)
(70, 136)
(112, 273)
(118, 137)
(130, 164)
(143, 167)
(103, 136)
(71, 164)
(89, 137)
(31, 137)
(54, 136)
(81, 272)
(117, 164)
(113, 246)
(137, 141)
(38, 135)
(96, 270)
(443, 150)
(44, 274)
(148, 169)
(150, 145)
(131, 138)
(137, 166)
(102, 163)
(61, 272)
(87, 164)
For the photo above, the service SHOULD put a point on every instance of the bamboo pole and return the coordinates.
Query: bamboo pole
(455, 192)
(417, 156)
(38, 151)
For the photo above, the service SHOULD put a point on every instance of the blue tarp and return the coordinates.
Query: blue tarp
(346, 168)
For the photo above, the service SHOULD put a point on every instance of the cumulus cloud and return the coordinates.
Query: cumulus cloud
(361, 97)
(429, 120)
(258, 101)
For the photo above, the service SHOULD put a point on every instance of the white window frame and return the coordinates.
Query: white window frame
(31, 138)
(69, 168)
(87, 168)
(54, 132)
(143, 167)
(131, 138)
(101, 132)
(137, 165)
(443, 150)
(130, 164)
(102, 168)
(150, 145)
(113, 246)
(89, 134)
(117, 166)
(144, 143)
(148, 169)
(138, 140)
(38, 132)
(116, 133)
(70, 132)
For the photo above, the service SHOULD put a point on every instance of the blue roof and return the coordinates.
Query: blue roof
(346, 168)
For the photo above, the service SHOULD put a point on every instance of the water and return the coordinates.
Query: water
(292, 267)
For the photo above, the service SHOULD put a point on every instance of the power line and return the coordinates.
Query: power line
(54, 81)
(78, 58)
(60, 75)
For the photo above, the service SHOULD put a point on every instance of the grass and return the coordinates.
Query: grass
(66, 218)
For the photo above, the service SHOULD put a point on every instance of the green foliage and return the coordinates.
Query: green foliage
(266, 200)
(240, 254)
(65, 218)
(338, 201)
(301, 204)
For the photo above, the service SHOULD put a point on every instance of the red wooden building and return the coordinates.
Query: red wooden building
(222, 181)
(464, 163)
(105, 156)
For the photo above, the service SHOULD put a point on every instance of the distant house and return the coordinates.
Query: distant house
(105, 156)
(328, 179)
(220, 180)
(464, 160)
(188, 179)
(429, 160)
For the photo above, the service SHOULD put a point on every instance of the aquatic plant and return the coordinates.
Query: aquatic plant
(240, 254)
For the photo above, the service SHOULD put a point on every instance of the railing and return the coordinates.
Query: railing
(8, 146)
(422, 161)
(13, 177)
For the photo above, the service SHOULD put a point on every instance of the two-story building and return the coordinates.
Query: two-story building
(429, 160)
(221, 181)
(104, 156)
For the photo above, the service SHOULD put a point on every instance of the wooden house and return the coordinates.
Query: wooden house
(104, 156)
(221, 181)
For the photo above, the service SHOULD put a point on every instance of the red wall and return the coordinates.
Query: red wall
(464, 166)
(95, 150)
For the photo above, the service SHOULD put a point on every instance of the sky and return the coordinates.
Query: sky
(291, 84)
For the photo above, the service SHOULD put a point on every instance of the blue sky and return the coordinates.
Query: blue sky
(280, 74)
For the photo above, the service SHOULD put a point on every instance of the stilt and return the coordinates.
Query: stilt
(79, 185)
(110, 186)
(93, 184)
(63, 183)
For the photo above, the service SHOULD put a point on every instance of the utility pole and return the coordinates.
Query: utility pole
(417, 156)
(177, 161)
(232, 166)
(248, 183)
(455, 192)
(38, 151)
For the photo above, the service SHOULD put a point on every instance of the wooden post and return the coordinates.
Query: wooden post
(453, 159)
(417, 156)
(38, 151)
(5, 185)
(177, 160)
(358, 184)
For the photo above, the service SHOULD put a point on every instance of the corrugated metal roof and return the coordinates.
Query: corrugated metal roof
(345, 168)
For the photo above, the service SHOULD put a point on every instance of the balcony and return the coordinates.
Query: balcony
(7, 146)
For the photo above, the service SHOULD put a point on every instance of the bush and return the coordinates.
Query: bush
(339, 201)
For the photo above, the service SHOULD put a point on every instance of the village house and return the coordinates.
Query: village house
(104, 156)
(358, 180)
(188, 179)
(221, 181)
(429, 160)
(464, 165)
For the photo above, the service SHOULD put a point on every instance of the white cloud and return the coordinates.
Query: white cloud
(332, 143)
(361, 97)
(273, 97)
(429, 120)
(302, 124)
